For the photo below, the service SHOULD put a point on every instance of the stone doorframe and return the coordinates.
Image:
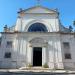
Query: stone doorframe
(37, 42)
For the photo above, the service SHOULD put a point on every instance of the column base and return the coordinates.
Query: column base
(59, 66)
(51, 65)
(56, 66)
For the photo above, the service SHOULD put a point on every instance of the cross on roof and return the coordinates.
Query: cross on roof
(38, 2)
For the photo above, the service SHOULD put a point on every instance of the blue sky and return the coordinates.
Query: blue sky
(9, 9)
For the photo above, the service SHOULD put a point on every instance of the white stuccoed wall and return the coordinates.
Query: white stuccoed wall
(69, 63)
(51, 22)
(41, 15)
(22, 52)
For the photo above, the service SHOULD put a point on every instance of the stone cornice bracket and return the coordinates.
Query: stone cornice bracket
(21, 12)
(30, 44)
(45, 44)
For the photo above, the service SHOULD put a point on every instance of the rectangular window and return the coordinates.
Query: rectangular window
(67, 56)
(66, 47)
(7, 55)
(9, 44)
(0, 43)
(0, 38)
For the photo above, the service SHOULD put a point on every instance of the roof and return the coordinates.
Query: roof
(36, 9)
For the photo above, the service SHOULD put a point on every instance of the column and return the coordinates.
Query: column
(59, 60)
(44, 55)
(51, 54)
(29, 54)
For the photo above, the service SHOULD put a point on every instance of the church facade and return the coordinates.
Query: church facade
(37, 39)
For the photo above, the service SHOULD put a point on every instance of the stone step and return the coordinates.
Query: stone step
(34, 68)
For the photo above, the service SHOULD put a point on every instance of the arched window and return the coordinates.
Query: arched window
(37, 27)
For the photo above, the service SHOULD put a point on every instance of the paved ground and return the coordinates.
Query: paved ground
(30, 73)
(35, 72)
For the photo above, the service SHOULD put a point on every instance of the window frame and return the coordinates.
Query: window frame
(7, 55)
(68, 56)
(0, 41)
(66, 44)
(8, 44)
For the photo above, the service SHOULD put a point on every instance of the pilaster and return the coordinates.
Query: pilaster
(44, 55)
(29, 54)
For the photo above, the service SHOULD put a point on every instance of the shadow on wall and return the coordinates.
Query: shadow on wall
(19, 58)
(54, 49)
(17, 62)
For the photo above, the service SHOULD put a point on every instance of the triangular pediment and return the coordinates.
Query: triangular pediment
(39, 9)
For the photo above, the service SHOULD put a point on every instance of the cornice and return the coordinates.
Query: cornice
(72, 33)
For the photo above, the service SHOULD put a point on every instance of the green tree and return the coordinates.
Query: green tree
(74, 23)
(70, 28)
